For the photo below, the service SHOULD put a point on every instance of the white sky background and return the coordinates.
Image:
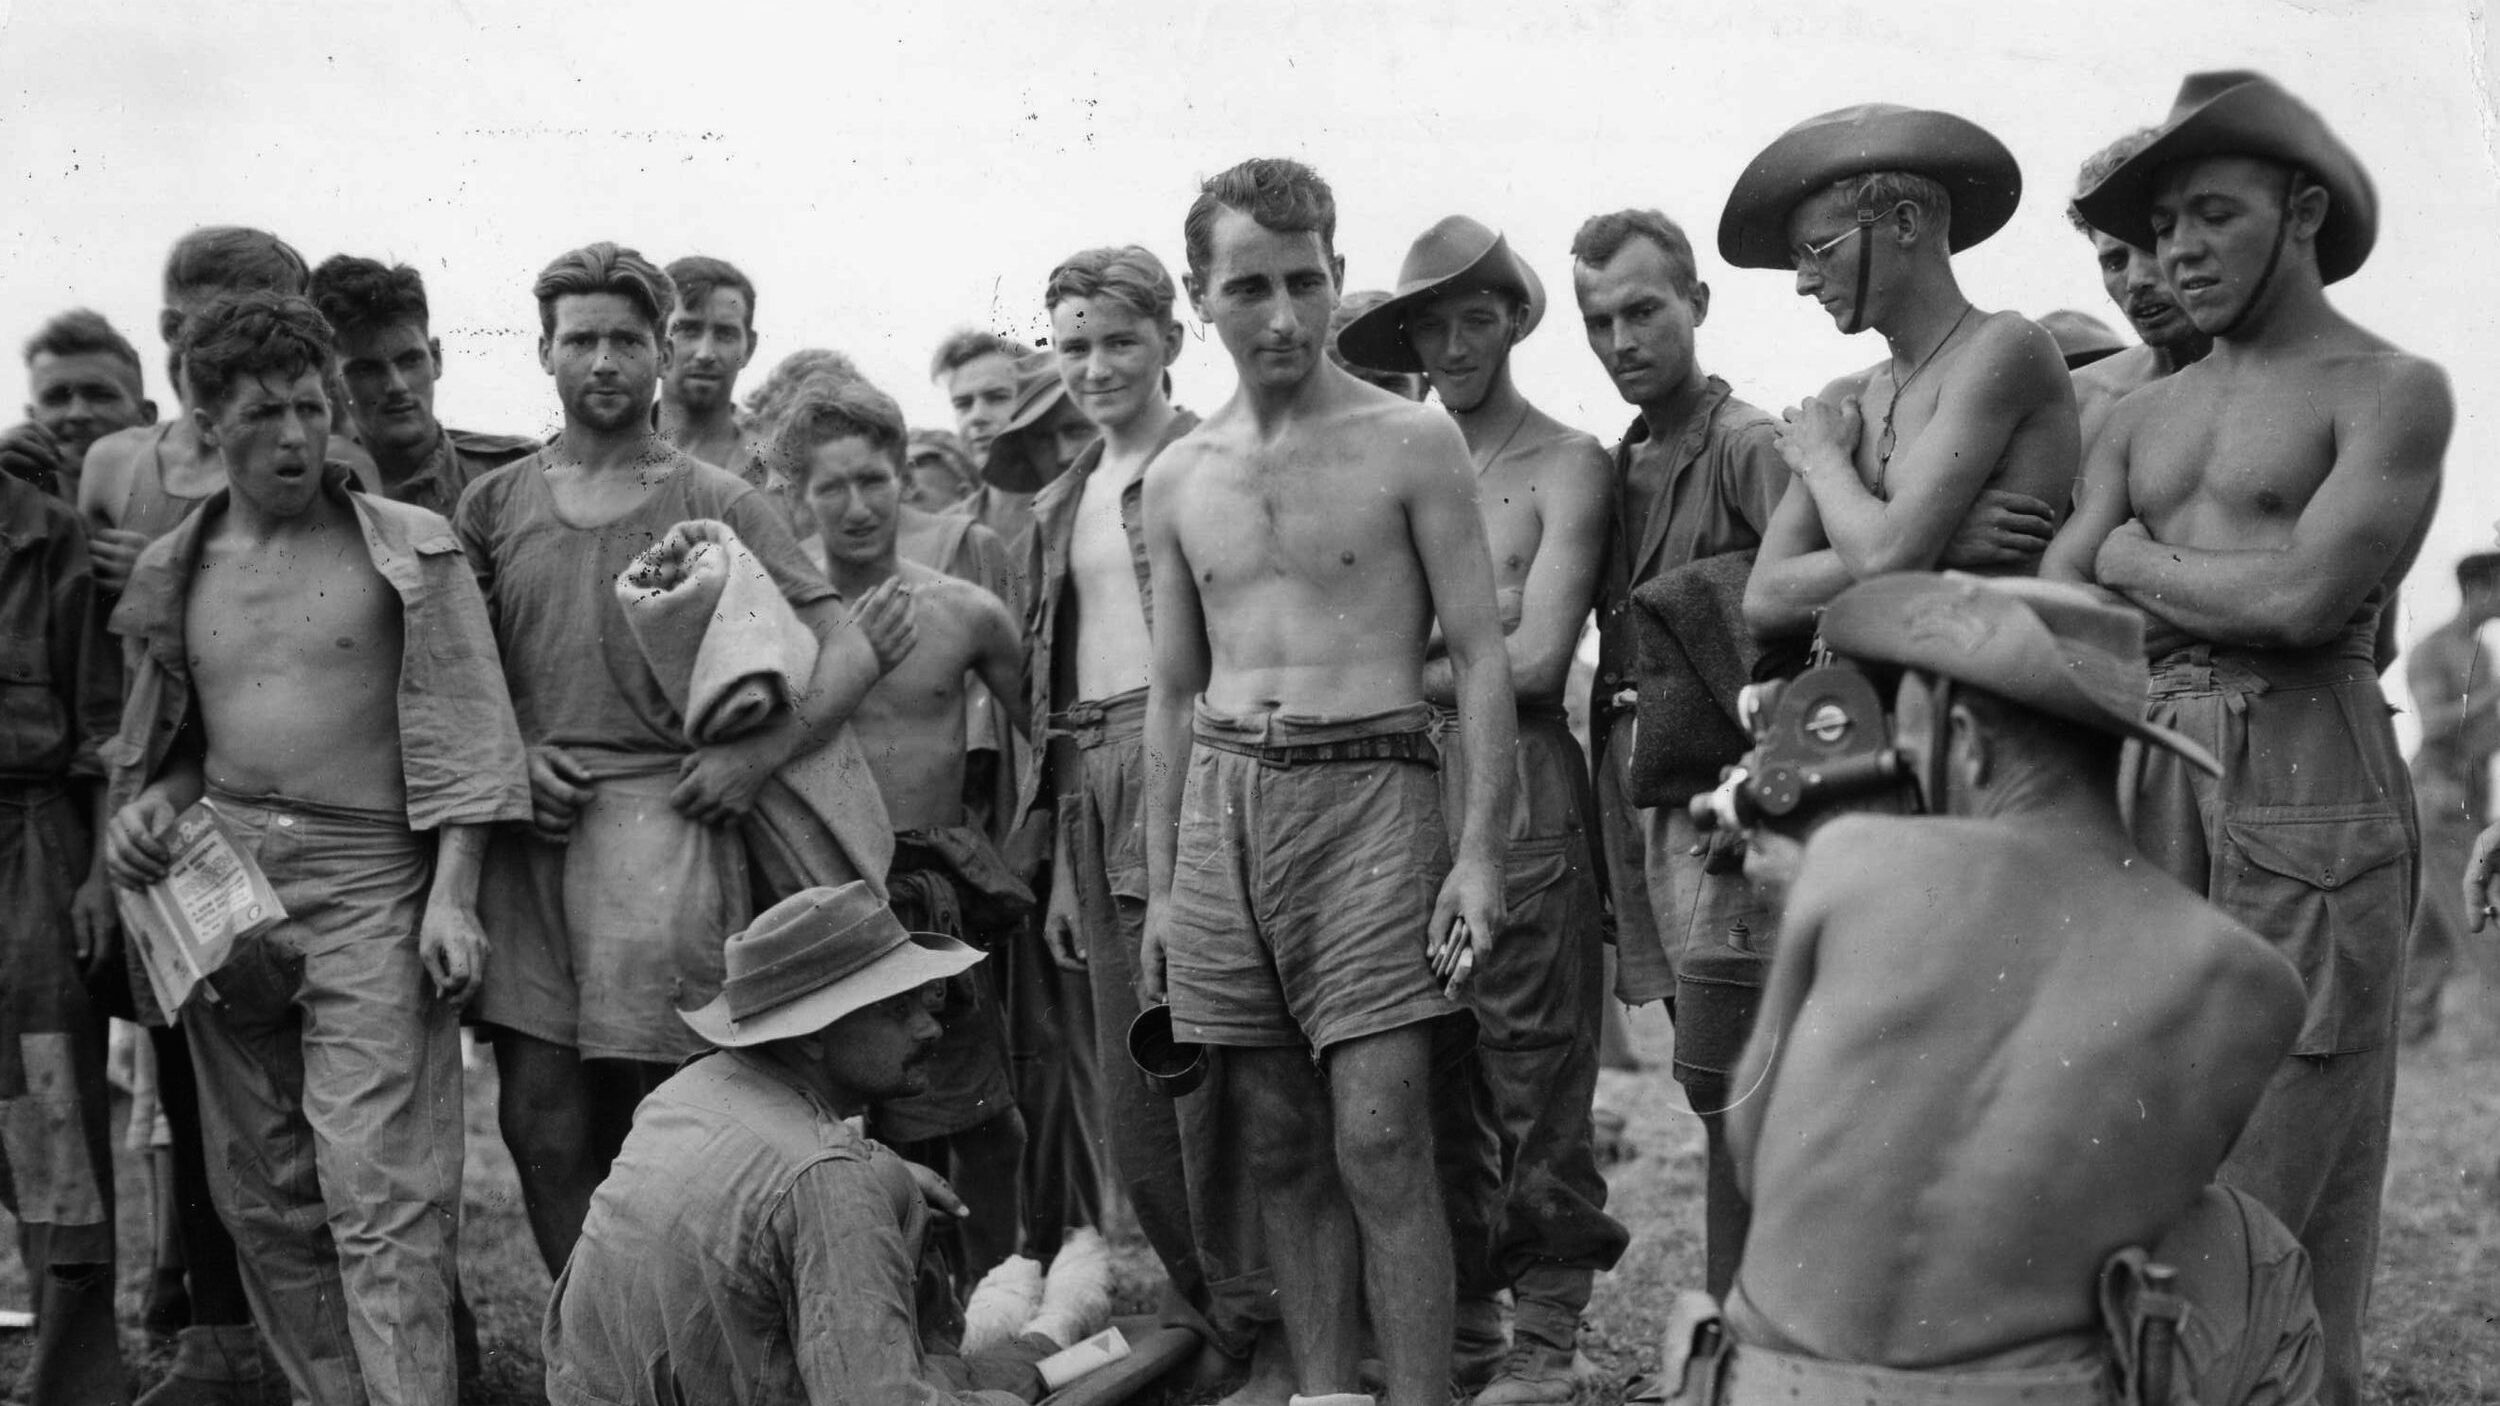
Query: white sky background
(887, 172)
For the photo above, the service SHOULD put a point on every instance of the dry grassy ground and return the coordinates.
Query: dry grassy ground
(2435, 1335)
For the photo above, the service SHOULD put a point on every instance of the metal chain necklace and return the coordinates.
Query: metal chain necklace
(1883, 442)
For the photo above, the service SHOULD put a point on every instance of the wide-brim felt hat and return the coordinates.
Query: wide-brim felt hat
(1020, 462)
(1455, 255)
(2081, 338)
(2070, 651)
(1975, 169)
(2238, 113)
(815, 957)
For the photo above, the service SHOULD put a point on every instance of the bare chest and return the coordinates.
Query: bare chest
(1099, 556)
(1327, 528)
(2247, 454)
(318, 609)
(1514, 520)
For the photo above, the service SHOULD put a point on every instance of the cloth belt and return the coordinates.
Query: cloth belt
(1760, 1376)
(1391, 747)
(1089, 724)
(2236, 675)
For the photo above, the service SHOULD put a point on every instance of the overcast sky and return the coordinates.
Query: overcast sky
(888, 172)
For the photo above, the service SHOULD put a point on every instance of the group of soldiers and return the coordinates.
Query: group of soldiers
(2071, 1083)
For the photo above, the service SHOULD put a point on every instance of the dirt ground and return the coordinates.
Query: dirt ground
(2435, 1325)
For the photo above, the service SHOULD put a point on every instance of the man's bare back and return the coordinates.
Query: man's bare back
(295, 648)
(1301, 550)
(1964, 1092)
(1113, 655)
(911, 725)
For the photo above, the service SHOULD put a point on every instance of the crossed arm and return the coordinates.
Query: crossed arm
(1839, 532)
(2349, 537)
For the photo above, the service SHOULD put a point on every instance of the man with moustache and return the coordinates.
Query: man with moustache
(2262, 507)
(389, 363)
(2132, 278)
(1303, 910)
(83, 382)
(632, 872)
(1527, 1205)
(750, 1246)
(1180, 1161)
(1697, 476)
(711, 338)
(1866, 206)
(316, 664)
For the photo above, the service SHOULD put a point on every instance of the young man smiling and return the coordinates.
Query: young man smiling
(1527, 1203)
(389, 362)
(1303, 908)
(83, 382)
(2262, 507)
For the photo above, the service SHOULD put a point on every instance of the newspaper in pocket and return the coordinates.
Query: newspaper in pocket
(212, 897)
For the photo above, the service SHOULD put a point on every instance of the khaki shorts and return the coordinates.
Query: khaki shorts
(1303, 890)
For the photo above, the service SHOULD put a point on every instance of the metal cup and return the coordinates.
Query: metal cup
(1172, 1068)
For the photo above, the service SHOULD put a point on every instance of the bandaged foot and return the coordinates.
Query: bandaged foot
(1001, 1304)
(1076, 1295)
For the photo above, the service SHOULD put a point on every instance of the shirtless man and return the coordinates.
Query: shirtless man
(711, 338)
(1297, 909)
(613, 904)
(844, 440)
(1866, 205)
(2262, 507)
(83, 382)
(2449, 675)
(1527, 1205)
(2132, 277)
(317, 664)
(1180, 1161)
(1956, 1114)
(139, 482)
(389, 364)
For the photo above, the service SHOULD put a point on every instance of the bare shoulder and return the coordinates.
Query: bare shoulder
(2236, 970)
(1859, 855)
(935, 590)
(104, 479)
(2391, 381)
(2013, 354)
(1416, 447)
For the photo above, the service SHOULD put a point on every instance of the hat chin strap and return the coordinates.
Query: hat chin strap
(2274, 259)
(1866, 264)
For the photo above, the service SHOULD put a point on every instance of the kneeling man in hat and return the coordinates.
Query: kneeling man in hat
(1978, 1174)
(1866, 206)
(748, 1245)
(2262, 507)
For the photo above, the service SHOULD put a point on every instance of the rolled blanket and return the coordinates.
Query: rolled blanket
(727, 649)
(730, 655)
(1695, 657)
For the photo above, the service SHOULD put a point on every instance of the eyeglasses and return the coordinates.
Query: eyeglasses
(1814, 254)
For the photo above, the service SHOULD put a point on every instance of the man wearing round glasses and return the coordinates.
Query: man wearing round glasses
(1866, 205)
